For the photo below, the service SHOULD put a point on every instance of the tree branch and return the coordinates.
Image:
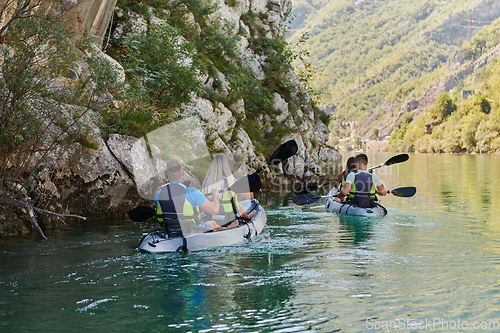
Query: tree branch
(31, 209)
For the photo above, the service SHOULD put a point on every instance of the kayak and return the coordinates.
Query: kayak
(347, 209)
(157, 241)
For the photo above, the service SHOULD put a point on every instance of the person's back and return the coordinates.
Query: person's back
(220, 177)
(362, 186)
(178, 206)
(362, 191)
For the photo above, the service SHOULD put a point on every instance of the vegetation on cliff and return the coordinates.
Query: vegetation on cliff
(198, 47)
(378, 52)
(57, 87)
(455, 124)
(37, 86)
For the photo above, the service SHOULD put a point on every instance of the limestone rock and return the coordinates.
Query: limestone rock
(321, 132)
(281, 105)
(243, 149)
(132, 153)
(10, 223)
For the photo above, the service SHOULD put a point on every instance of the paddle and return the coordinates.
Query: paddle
(393, 160)
(404, 192)
(250, 183)
(286, 150)
(306, 199)
(141, 213)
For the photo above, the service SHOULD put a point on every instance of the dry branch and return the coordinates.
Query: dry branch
(31, 209)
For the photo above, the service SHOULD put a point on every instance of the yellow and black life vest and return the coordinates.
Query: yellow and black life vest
(173, 207)
(363, 190)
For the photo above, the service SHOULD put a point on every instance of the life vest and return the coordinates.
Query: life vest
(174, 207)
(227, 212)
(344, 175)
(226, 206)
(363, 190)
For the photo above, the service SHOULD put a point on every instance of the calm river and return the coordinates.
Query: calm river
(431, 264)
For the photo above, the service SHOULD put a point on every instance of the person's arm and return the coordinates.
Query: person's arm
(212, 207)
(380, 190)
(345, 191)
(244, 213)
(347, 187)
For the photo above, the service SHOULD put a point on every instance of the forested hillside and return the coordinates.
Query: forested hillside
(457, 123)
(373, 55)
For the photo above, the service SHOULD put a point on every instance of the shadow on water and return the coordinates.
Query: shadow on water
(356, 230)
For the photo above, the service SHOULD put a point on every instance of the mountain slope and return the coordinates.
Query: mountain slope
(375, 52)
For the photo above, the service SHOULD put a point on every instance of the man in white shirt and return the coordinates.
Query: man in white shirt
(362, 186)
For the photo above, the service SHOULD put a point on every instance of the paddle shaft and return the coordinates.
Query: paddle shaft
(305, 199)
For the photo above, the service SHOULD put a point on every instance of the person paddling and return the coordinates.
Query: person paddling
(220, 177)
(178, 206)
(350, 166)
(362, 186)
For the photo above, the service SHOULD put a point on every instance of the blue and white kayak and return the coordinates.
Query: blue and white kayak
(347, 209)
(158, 242)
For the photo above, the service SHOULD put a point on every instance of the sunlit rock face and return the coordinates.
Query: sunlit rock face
(93, 16)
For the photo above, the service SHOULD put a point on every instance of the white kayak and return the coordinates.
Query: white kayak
(157, 241)
(347, 209)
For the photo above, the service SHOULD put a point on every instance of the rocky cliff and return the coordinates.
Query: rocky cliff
(125, 171)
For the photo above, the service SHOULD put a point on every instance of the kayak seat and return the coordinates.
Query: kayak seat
(173, 228)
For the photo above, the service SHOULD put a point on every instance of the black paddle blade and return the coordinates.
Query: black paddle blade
(286, 150)
(250, 183)
(404, 192)
(397, 159)
(141, 213)
(304, 199)
(307, 189)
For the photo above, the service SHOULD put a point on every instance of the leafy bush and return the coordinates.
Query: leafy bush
(163, 66)
(443, 107)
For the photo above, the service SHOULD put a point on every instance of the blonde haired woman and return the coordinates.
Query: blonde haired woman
(220, 177)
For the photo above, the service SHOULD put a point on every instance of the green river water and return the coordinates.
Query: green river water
(431, 264)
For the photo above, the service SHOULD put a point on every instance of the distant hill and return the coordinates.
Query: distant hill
(379, 55)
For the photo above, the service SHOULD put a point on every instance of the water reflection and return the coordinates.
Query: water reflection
(355, 230)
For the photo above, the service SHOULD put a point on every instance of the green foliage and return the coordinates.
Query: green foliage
(471, 125)
(164, 66)
(374, 51)
(231, 3)
(485, 39)
(443, 107)
(37, 125)
(164, 84)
